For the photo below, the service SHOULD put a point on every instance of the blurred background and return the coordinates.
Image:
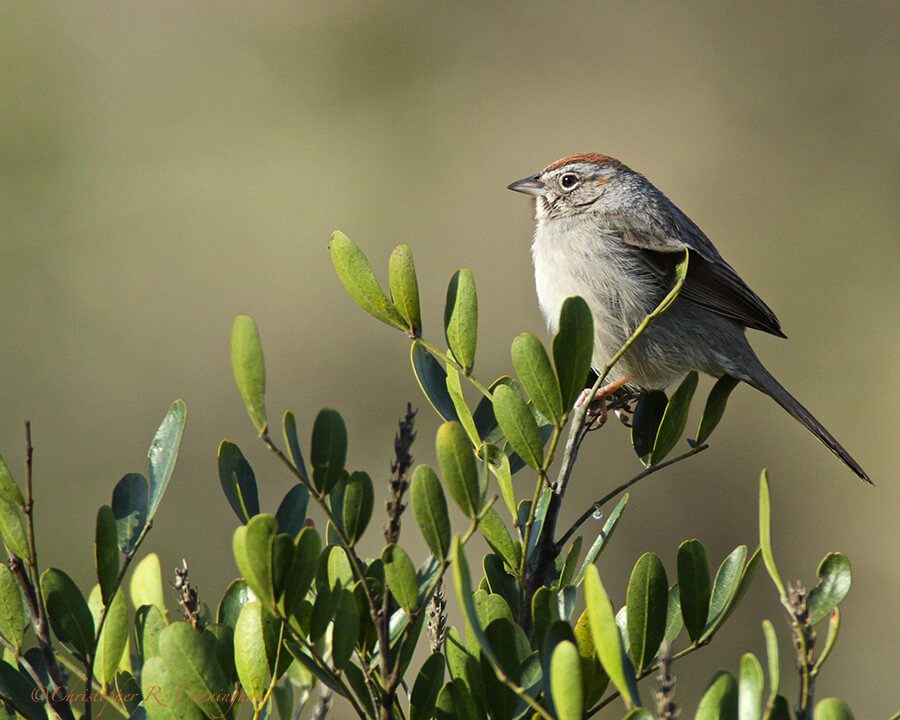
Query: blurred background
(165, 166)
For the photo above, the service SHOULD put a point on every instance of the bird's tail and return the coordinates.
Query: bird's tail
(762, 380)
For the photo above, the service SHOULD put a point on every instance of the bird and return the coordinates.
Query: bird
(605, 233)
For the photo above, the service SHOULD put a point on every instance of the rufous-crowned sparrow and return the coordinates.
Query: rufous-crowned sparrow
(604, 232)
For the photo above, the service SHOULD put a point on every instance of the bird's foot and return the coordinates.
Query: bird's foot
(598, 408)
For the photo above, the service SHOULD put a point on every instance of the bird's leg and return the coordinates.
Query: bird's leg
(598, 403)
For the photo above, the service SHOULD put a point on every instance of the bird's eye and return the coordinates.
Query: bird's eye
(568, 181)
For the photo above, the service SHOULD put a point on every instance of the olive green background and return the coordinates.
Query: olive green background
(165, 166)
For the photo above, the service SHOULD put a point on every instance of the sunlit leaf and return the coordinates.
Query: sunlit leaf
(329, 449)
(405, 288)
(647, 601)
(458, 467)
(461, 318)
(693, 587)
(834, 584)
(519, 425)
(163, 452)
(69, 614)
(537, 376)
(573, 346)
(430, 510)
(720, 701)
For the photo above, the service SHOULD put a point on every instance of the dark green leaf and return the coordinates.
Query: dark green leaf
(458, 467)
(113, 637)
(322, 672)
(222, 639)
(162, 699)
(433, 380)
(426, 688)
(302, 570)
(693, 587)
(163, 452)
(356, 274)
(750, 688)
(500, 582)
(744, 584)
(329, 449)
(405, 288)
(573, 346)
(345, 631)
(291, 513)
(728, 578)
(537, 376)
(106, 551)
(127, 688)
(647, 601)
(191, 661)
(292, 440)
(455, 701)
(674, 419)
(720, 701)
(778, 709)
(833, 586)
(148, 624)
(357, 680)
(9, 491)
(607, 640)
(567, 574)
(358, 501)
(237, 595)
(400, 574)
(497, 535)
(249, 368)
(674, 621)
(645, 424)
(518, 425)
(461, 318)
(715, 407)
(602, 539)
(12, 530)
(430, 510)
(12, 610)
(832, 709)
(69, 614)
(129, 505)
(238, 481)
(252, 545)
(565, 681)
(19, 690)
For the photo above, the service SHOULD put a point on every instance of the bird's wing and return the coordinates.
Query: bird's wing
(711, 282)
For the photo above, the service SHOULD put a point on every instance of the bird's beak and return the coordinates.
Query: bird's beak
(531, 185)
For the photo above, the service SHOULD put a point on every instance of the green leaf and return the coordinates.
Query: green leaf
(778, 709)
(329, 449)
(249, 368)
(163, 452)
(538, 377)
(497, 535)
(251, 656)
(129, 505)
(500, 467)
(454, 388)
(291, 513)
(725, 587)
(236, 596)
(750, 688)
(292, 441)
(345, 631)
(834, 584)
(356, 274)
(69, 614)
(357, 681)
(238, 481)
(191, 661)
(519, 425)
(12, 610)
(405, 288)
(720, 701)
(648, 415)
(834, 628)
(432, 379)
(647, 601)
(455, 701)
(565, 681)
(9, 491)
(145, 585)
(693, 587)
(252, 546)
(222, 639)
(458, 467)
(126, 687)
(772, 656)
(148, 624)
(162, 699)
(602, 539)
(732, 602)
(464, 595)
(13, 531)
(461, 318)
(359, 500)
(640, 714)
(19, 690)
(674, 620)
(567, 574)
(765, 535)
(832, 709)
(715, 407)
(113, 637)
(607, 640)
(322, 672)
(592, 672)
(400, 574)
(674, 419)
(430, 510)
(573, 347)
(426, 688)
(308, 549)
(106, 552)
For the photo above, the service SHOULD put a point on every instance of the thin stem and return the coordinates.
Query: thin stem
(624, 486)
(448, 358)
